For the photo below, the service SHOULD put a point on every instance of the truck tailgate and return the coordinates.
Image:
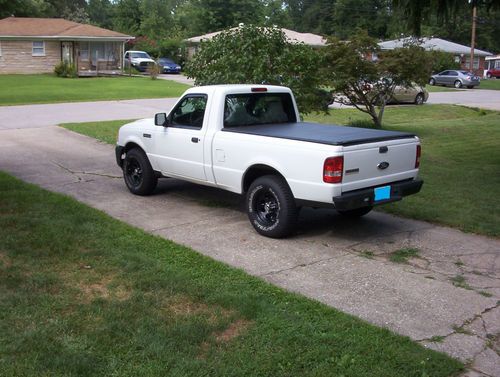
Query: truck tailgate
(374, 164)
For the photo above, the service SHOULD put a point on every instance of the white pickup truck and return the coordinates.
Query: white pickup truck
(248, 139)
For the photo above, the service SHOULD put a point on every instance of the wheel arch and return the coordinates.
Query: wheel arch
(255, 171)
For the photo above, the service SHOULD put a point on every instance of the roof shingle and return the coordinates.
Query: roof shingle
(53, 27)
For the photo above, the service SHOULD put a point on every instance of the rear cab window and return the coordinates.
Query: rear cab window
(258, 108)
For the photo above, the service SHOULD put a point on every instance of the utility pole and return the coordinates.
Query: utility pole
(473, 38)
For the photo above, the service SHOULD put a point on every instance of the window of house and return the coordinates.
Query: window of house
(497, 64)
(38, 48)
(84, 50)
(476, 62)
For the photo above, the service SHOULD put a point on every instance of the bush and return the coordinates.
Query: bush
(442, 61)
(257, 55)
(153, 70)
(65, 69)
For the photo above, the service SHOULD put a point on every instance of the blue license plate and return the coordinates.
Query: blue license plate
(382, 193)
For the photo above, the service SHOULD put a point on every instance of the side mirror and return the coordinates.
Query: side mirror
(161, 119)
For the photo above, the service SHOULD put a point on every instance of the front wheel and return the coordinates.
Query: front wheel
(458, 84)
(488, 75)
(271, 207)
(355, 213)
(432, 82)
(138, 173)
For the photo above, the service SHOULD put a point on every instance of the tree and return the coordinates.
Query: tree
(254, 55)
(365, 77)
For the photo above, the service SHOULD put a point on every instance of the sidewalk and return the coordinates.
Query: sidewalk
(326, 261)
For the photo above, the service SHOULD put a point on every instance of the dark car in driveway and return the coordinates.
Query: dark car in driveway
(167, 65)
(455, 78)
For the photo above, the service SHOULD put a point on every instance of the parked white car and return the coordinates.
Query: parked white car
(248, 139)
(140, 60)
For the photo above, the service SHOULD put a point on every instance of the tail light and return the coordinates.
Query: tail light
(417, 158)
(333, 169)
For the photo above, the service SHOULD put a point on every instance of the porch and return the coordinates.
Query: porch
(94, 58)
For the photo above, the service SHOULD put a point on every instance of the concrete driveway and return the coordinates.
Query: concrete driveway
(326, 261)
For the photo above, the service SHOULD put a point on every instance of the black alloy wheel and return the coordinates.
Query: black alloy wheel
(271, 207)
(138, 173)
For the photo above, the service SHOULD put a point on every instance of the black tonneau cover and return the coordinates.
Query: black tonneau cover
(320, 133)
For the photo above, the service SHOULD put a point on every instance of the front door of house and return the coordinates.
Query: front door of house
(67, 52)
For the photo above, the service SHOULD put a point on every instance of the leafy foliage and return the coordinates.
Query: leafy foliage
(65, 69)
(366, 77)
(442, 60)
(250, 55)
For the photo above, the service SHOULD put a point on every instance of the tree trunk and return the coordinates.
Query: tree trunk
(375, 117)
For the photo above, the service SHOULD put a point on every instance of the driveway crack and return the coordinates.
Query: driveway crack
(275, 272)
(76, 172)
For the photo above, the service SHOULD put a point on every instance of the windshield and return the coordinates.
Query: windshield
(141, 55)
(258, 108)
(166, 61)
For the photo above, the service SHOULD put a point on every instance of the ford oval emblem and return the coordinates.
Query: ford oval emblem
(383, 165)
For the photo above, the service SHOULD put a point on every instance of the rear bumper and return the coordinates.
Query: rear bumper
(119, 150)
(366, 197)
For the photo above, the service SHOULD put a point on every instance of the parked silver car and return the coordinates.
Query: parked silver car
(455, 78)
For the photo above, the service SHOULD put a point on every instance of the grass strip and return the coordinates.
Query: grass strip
(84, 294)
(47, 88)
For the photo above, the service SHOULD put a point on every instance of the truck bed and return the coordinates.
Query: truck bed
(320, 133)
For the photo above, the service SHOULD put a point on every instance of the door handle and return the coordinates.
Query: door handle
(195, 139)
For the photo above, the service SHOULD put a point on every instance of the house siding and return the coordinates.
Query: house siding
(17, 57)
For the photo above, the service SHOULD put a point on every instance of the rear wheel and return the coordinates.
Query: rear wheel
(432, 82)
(271, 207)
(488, 75)
(138, 173)
(355, 213)
(470, 86)
(419, 99)
(458, 84)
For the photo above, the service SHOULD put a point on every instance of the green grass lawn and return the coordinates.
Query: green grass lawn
(460, 161)
(493, 84)
(28, 89)
(439, 88)
(84, 294)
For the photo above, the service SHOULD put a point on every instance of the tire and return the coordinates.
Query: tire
(355, 213)
(488, 75)
(432, 82)
(470, 86)
(271, 207)
(419, 99)
(457, 84)
(138, 173)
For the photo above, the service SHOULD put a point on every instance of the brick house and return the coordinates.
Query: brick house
(460, 52)
(37, 45)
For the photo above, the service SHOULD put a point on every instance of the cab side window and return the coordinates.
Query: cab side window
(189, 113)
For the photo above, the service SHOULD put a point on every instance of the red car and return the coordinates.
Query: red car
(495, 72)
